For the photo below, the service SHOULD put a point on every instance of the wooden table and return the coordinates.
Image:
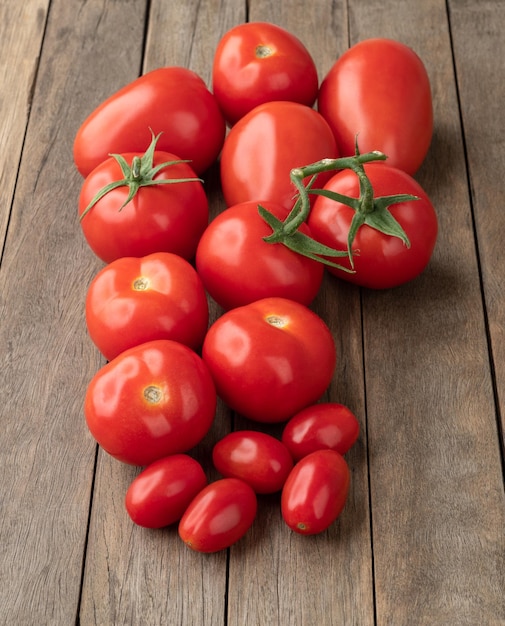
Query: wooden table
(421, 540)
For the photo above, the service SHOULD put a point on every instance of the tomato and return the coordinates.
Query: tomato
(151, 401)
(315, 492)
(219, 515)
(135, 300)
(328, 425)
(237, 267)
(170, 100)
(379, 90)
(258, 62)
(259, 459)
(382, 261)
(270, 359)
(262, 148)
(161, 493)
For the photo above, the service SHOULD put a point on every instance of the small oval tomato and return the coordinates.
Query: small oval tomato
(381, 261)
(315, 492)
(170, 100)
(270, 359)
(262, 148)
(219, 515)
(135, 300)
(151, 401)
(328, 425)
(259, 459)
(237, 267)
(379, 91)
(161, 493)
(258, 62)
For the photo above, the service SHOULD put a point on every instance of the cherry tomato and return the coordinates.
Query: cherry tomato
(135, 300)
(258, 62)
(315, 492)
(151, 401)
(328, 425)
(262, 148)
(379, 90)
(170, 100)
(161, 493)
(383, 260)
(219, 515)
(259, 459)
(270, 359)
(237, 267)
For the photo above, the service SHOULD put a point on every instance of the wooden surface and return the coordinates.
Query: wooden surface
(421, 540)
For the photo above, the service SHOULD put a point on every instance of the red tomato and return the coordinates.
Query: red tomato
(263, 147)
(379, 90)
(328, 425)
(135, 300)
(171, 100)
(151, 401)
(262, 461)
(219, 515)
(160, 218)
(258, 62)
(233, 239)
(383, 261)
(315, 492)
(161, 493)
(270, 359)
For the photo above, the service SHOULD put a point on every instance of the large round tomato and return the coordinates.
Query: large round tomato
(381, 260)
(269, 359)
(266, 144)
(258, 62)
(135, 300)
(170, 100)
(379, 91)
(150, 401)
(238, 267)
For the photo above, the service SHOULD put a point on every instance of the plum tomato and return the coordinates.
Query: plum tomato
(160, 494)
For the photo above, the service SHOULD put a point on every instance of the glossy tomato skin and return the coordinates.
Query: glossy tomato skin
(151, 401)
(160, 218)
(259, 459)
(270, 359)
(383, 261)
(219, 515)
(161, 493)
(379, 91)
(315, 492)
(259, 62)
(262, 148)
(237, 267)
(324, 426)
(170, 100)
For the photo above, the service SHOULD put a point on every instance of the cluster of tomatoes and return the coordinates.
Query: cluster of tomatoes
(300, 197)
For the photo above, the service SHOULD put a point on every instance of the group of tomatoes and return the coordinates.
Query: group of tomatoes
(305, 189)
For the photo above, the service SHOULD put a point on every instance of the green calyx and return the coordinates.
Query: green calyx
(141, 173)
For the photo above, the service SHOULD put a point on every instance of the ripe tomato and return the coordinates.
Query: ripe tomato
(161, 493)
(262, 461)
(150, 401)
(219, 515)
(379, 90)
(270, 359)
(237, 267)
(135, 300)
(328, 425)
(170, 100)
(315, 492)
(383, 261)
(258, 62)
(262, 148)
